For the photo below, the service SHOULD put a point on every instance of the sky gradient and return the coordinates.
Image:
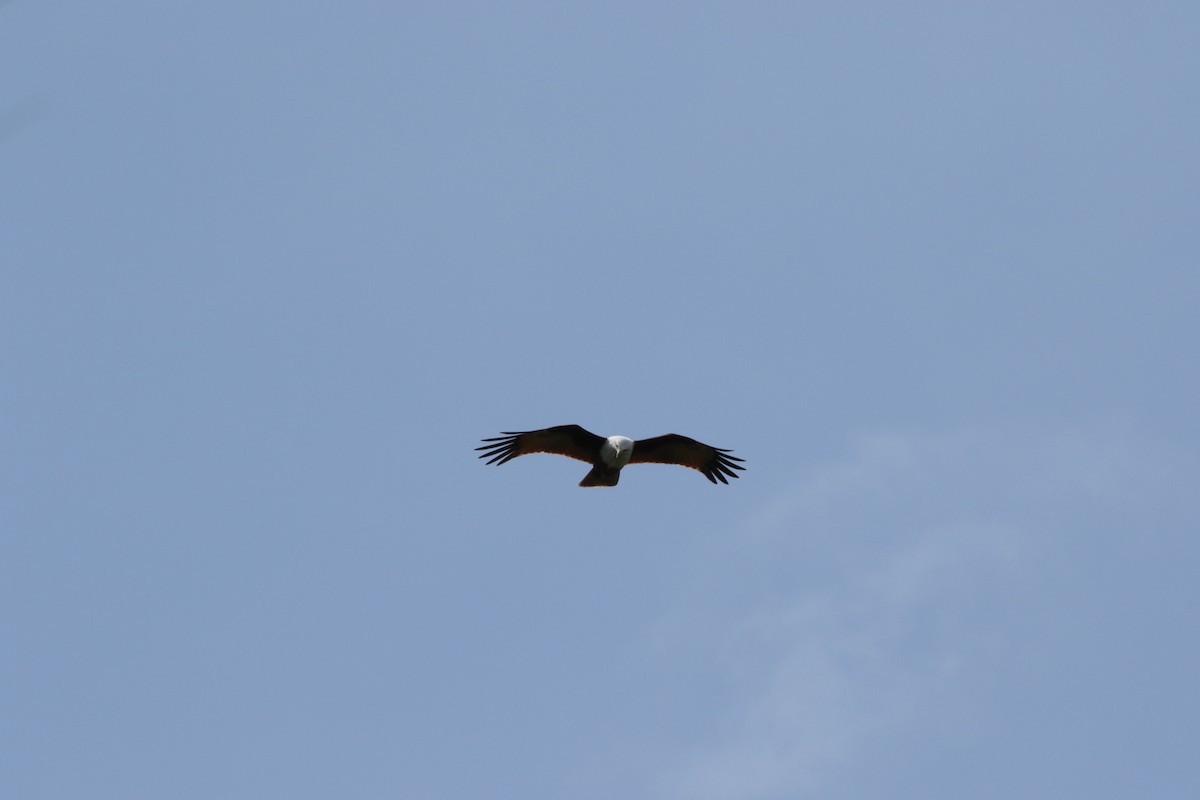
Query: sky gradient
(269, 271)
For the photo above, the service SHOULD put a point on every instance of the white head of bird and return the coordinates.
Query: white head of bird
(616, 451)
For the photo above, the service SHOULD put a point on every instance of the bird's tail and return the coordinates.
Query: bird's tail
(601, 475)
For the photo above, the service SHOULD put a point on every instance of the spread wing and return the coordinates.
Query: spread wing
(571, 441)
(714, 462)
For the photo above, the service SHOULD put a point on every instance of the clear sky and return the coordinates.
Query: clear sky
(270, 270)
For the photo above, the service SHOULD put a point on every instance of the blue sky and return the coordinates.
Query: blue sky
(268, 272)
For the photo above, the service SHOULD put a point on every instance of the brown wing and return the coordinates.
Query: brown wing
(714, 462)
(571, 441)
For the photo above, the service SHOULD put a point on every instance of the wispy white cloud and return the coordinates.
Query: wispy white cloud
(856, 599)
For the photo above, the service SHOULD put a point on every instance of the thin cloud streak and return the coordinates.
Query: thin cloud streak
(900, 549)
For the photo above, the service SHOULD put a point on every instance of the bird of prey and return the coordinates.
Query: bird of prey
(608, 456)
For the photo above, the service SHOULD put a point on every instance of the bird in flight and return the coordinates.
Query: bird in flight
(608, 456)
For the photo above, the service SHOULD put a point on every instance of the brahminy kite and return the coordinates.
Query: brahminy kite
(607, 456)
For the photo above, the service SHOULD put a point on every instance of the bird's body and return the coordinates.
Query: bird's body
(609, 456)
